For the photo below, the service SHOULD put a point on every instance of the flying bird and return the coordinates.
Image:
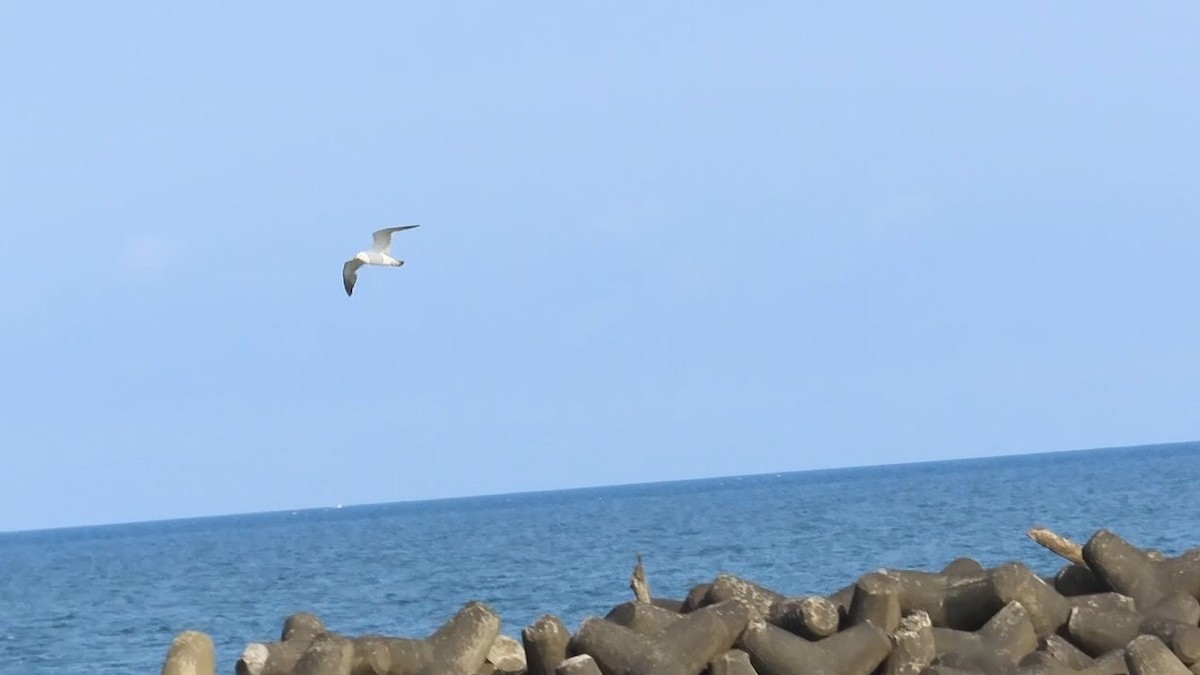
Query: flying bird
(380, 254)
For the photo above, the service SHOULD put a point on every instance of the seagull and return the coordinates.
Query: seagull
(380, 254)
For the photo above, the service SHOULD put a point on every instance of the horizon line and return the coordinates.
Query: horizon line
(641, 483)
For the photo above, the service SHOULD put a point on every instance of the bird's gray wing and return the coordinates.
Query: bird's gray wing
(350, 274)
(381, 240)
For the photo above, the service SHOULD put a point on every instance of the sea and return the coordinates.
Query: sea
(109, 599)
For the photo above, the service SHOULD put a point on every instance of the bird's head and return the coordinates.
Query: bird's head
(361, 256)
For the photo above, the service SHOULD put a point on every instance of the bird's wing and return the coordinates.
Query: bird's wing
(350, 274)
(381, 240)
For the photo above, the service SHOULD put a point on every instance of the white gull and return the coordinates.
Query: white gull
(380, 254)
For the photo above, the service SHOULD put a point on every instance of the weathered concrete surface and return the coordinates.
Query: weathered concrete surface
(506, 656)
(1125, 610)
(858, 650)
(913, 646)
(190, 653)
(732, 662)
(1145, 577)
(579, 665)
(811, 617)
(545, 642)
(684, 647)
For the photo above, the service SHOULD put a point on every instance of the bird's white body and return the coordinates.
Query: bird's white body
(377, 258)
(380, 254)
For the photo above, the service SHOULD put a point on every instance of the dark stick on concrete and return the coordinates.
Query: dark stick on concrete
(638, 583)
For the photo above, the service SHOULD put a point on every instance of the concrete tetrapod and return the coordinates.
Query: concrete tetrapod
(1064, 651)
(1146, 578)
(811, 617)
(545, 642)
(370, 655)
(190, 653)
(1112, 663)
(1078, 580)
(1098, 631)
(578, 665)
(913, 646)
(1177, 606)
(327, 654)
(280, 658)
(301, 627)
(641, 617)
(1097, 618)
(1047, 608)
(857, 650)
(958, 601)
(506, 656)
(732, 662)
(755, 596)
(1000, 643)
(964, 567)
(876, 599)
(1147, 655)
(683, 648)
(461, 645)
(695, 597)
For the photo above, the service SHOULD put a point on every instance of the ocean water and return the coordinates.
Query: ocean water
(110, 599)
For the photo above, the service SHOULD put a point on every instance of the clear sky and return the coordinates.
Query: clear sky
(658, 241)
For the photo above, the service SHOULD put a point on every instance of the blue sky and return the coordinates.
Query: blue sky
(658, 241)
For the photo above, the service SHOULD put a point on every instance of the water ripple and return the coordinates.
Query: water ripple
(109, 599)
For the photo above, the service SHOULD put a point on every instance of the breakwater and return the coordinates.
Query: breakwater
(1113, 608)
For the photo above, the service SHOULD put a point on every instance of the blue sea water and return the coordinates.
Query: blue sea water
(109, 599)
